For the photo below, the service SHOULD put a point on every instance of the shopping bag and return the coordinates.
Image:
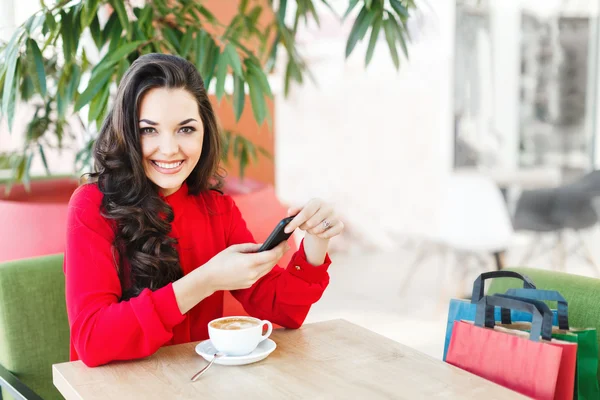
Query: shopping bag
(524, 363)
(565, 384)
(586, 381)
(460, 309)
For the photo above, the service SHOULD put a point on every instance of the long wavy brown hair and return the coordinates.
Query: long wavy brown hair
(145, 255)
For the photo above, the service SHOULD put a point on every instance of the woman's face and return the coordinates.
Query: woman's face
(171, 136)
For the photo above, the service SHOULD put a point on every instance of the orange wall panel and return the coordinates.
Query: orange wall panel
(263, 169)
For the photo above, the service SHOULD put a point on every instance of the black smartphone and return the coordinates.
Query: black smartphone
(277, 236)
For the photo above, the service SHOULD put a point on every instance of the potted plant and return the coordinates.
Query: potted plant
(66, 60)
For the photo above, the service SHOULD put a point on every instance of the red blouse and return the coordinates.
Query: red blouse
(104, 329)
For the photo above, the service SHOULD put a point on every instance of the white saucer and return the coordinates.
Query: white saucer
(207, 351)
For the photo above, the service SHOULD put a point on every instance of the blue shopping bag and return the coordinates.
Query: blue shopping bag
(460, 309)
(560, 314)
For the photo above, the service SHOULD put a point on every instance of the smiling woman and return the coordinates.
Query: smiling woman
(151, 247)
(171, 136)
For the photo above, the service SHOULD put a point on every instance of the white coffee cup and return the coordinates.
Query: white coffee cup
(237, 335)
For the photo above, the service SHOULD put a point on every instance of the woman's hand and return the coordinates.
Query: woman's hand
(240, 266)
(317, 218)
(236, 267)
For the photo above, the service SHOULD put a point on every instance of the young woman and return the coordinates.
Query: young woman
(152, 244)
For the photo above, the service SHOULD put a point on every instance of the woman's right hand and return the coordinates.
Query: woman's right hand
(240, 266)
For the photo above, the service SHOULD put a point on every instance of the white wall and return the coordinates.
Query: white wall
(378, 142)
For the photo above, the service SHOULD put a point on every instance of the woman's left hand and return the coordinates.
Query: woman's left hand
(317, 218)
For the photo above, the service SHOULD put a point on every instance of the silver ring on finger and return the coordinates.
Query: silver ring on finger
(326, 224)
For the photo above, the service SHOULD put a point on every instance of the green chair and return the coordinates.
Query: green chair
(582, 294)
(34, 329)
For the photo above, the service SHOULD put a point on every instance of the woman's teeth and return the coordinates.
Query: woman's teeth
(168, 165)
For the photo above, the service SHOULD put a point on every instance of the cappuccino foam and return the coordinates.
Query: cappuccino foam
(234, 323)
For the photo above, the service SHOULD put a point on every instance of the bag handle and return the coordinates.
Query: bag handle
(540, 326)
(544, 295)
(479, 283)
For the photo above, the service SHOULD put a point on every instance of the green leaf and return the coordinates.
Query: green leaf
(212, 61)
(121, 53)
(27, 88)
(26, 171)
(313, 11)
(96, 32)
(171, 35)
(50, 21)
(239, 97)
(207, 14)
(146, 16)
(123, 67)
(10, 89)
(59, 131)
(35, 63)
(36, 128)
(351, 6)
(273, 55)
(119, 6)
(98, 104)
(257, 99)
(362, 23)
(390, 36)
(243, 6)
(186, 43)
(61, 104)
(115, 39)
(260, 75)
(43, 156)
(399, 8)
(162, 6)
(400, 34)
(96, 84)
(265, 153)
(112, 25)
(200, 46)
(74, 79)
(282, 9)
(90, 11)
(76, 27)
(29, 23)
(101, 116)
(234, 59)
(373, 41)
(66, 32)
(221, 75)
(19, 168)
(255, 14)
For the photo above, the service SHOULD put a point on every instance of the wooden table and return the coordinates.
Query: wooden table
(333, 359)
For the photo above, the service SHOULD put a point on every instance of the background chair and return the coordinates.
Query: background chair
(557, 210)
(473, 224)
(34, 329)
(580, 292)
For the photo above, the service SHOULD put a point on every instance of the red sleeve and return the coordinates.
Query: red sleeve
(283, 296)
(103, 328)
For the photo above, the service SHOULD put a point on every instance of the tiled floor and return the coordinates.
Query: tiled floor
(365, 289)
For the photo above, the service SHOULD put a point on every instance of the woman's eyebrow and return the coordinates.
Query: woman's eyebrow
(156, 123)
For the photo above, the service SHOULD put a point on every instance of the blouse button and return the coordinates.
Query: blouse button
(297, 268)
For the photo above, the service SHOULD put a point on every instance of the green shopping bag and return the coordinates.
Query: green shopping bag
(586, 381)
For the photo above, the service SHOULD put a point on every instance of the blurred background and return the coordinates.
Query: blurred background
(478, 152)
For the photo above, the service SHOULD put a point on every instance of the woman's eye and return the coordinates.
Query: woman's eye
(188, 129)
(146, 130)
